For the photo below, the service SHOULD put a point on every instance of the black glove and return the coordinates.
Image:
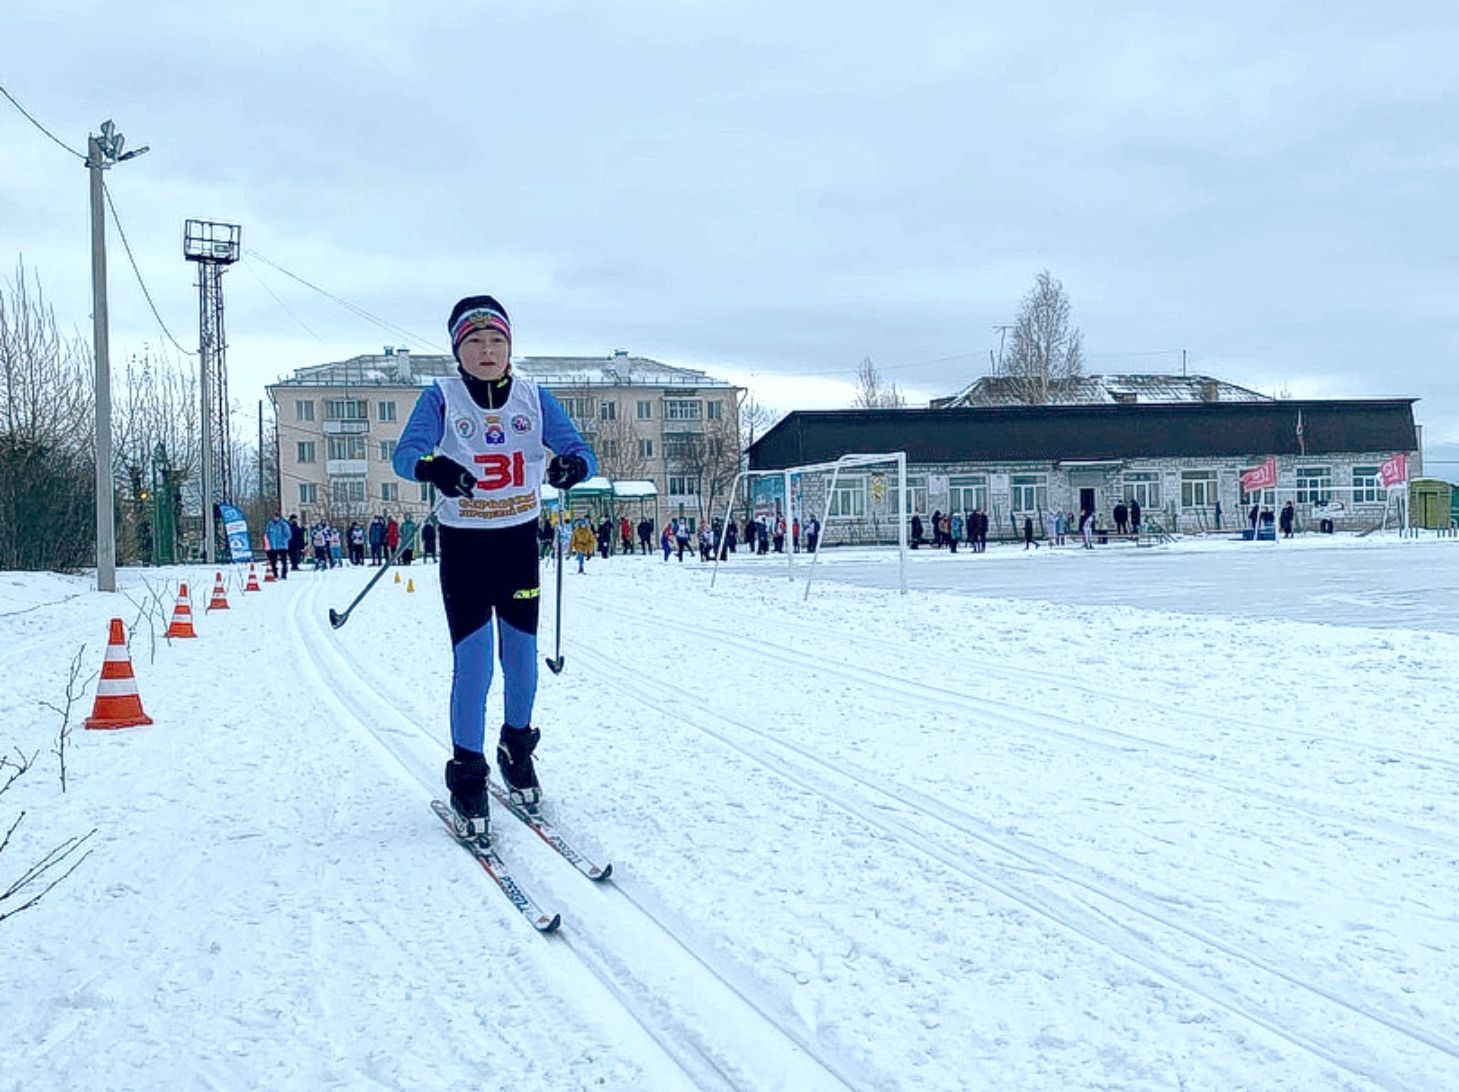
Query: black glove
(446, 474)
(565, 471)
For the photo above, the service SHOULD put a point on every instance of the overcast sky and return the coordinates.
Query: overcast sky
(770, 191)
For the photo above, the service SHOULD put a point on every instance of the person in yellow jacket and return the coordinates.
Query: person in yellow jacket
(583, 543)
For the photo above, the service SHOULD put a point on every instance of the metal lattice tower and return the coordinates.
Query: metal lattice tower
(214, 247)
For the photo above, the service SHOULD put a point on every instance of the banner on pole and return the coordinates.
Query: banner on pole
(236, 528)
(1261, 477)
(1394, 471)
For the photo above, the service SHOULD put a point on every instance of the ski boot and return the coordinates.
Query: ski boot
(466, 775)
(514, 756)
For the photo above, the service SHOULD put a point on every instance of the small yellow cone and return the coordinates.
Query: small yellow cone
(397, 577)
(410, 585)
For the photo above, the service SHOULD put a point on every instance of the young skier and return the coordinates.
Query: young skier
(480, 437)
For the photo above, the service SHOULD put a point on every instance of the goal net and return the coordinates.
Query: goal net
(859, 499)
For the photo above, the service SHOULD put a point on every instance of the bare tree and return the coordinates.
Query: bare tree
(28, 886)
(873, 391)
(1043, 351)
(47, 480)
(710, 459)
(615, 442)
(756, 419)
(73, 692)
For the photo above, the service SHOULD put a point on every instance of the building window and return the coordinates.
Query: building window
(387, 450)
(1314, 484)
(849, 499)
(425, 491)
(308, 493)
(389, 491)
(681, 485)
(306, 451)
(347, 490)
(681, 447)
(304, 410)
(607, 410)
(1143, 488)
(385, 411)
(965, 493)
(645, 449)
(645, 410)
(579, 409)
(608, 449)
(1029, 493)
(683, 409)
(715, 411)
(916, 493)
(346, 447)
(346, 409)
(1198, 488)
(1367, 487)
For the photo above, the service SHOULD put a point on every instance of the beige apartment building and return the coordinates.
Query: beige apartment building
(338, 425)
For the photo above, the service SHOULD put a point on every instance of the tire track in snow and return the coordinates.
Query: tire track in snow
(1100, 922)
(703, 1061)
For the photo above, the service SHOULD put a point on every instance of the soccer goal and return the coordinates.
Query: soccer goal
(798, 494)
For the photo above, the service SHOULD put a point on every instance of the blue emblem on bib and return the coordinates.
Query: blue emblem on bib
(521, 423)
(465, 428)
(494, 434)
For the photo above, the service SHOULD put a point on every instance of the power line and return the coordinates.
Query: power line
(128, 248)
(889, 367)
(254, 273)
(351, 307)
(26, 113)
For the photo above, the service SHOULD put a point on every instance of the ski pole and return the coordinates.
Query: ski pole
(337, 618)
(554, 664)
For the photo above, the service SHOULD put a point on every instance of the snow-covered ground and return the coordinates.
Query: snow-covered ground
(1181, 817)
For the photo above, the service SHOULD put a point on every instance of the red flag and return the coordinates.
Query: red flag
(1261, 477)
(1394, 470)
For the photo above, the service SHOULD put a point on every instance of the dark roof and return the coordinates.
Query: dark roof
(1067, 433)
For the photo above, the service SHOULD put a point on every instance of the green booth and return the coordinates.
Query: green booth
(1430, 503)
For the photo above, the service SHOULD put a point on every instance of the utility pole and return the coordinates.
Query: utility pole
(1182, 363)
(101, 153)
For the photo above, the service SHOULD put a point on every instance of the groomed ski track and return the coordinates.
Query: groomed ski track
(701, 1016)
(1128, 922)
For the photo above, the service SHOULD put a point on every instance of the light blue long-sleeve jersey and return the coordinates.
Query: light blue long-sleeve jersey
(427, 425)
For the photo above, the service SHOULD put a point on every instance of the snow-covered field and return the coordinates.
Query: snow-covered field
(1181, 817)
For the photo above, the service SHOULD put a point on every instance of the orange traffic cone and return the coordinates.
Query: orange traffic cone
(410, 585)
(252, 584)
(220, 597)
(269, 577)
(118, 705)
(182, 616)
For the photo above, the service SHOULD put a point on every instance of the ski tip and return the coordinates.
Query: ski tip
(334, 618)
(602, 874)
(544, 924)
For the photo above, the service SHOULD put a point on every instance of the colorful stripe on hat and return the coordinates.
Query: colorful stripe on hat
(483, 318)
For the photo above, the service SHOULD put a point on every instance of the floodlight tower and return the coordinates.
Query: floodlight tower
(214, 247)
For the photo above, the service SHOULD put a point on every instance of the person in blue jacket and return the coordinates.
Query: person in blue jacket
(481, 438)
(277, 535)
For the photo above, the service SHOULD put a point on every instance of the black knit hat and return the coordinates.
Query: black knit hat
(476, 313)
